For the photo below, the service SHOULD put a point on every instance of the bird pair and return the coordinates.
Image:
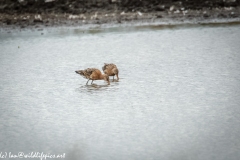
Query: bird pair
(95, 74)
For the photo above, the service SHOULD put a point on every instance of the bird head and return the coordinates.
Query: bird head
(106, 78)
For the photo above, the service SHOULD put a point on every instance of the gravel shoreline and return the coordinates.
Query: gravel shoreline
(164, 14)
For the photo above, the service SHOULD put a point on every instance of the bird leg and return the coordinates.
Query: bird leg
(92, 81)
(117, 77)
(87, 82)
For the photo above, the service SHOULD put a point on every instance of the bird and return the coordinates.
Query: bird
(93, 74)
(110, 70)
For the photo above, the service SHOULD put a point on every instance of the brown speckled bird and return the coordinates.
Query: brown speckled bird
(93, 74)
(111, 70)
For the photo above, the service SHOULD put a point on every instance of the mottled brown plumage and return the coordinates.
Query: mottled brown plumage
(110, 69)
(93, 74)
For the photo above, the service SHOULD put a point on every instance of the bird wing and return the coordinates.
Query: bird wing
(87, 72)
(108, 66)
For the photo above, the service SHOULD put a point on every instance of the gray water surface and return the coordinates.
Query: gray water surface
(178, 96)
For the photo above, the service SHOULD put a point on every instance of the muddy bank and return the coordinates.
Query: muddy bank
(37, 14)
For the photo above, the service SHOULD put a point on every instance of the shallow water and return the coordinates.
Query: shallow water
(177, 97)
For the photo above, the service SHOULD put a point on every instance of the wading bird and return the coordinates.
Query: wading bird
(110, 70)
(93, 74)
